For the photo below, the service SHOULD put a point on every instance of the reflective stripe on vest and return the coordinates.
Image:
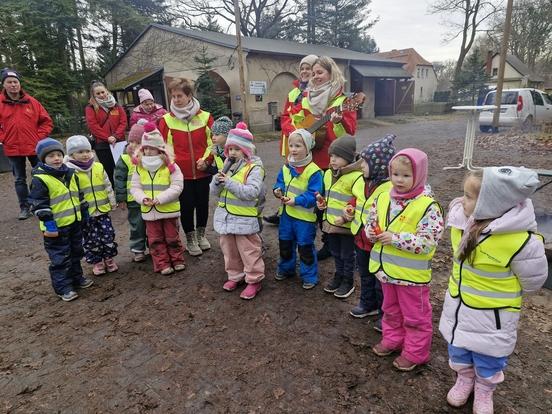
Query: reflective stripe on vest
(488, 281)
(363, 204)
(64, 202)
(395, 263)
(199, 121)
(155, 184)
(235, 206)
(93, 187)
(338, 195)
(131, 169)
(297, 118)
(294, 187)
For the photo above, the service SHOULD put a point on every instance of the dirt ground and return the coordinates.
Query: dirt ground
(138, 342)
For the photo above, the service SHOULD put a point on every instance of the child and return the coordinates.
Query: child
(214, 162)
(156, 185)
(98, 233)
(375, 168)
(405, 225)
(497, 257)
(123, 178)
(236, 218)
(56, 201)
(344, 173)
(297, 184)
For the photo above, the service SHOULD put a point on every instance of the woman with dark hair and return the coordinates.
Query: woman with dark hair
(107, 122)
(187, 128)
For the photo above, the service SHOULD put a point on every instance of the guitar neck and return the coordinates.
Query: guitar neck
(322, 121)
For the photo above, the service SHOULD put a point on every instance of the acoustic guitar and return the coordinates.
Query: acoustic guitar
(316, 125)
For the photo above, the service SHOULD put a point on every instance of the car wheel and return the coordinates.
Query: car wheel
(527, 125)
(485, 128)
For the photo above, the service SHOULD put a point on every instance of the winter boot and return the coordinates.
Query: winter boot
(202, 240)
(251, 291)
(458, 395)
(334, 284)
(191, 244)
(483, 396)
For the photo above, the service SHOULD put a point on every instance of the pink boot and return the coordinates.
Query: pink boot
(251, 290)
(111, 265)
(458, 395)
(230, 285)
(483, 396)
(99, 269)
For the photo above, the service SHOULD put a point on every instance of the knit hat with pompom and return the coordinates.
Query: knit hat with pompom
(136, 131)
(152, 137)
(242, 138)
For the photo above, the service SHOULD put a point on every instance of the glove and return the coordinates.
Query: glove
(51, 229)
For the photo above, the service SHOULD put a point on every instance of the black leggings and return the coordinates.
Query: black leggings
(194, 199)
(106, 159)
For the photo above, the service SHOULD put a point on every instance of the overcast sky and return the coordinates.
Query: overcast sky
(406, 23)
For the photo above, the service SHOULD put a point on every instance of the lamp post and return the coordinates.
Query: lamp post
(243, 92)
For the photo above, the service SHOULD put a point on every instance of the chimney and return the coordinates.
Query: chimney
(489, 62)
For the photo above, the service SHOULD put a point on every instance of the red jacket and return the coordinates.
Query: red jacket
(189, 146)
(114, 126)
(22, 124)
(321, 156)
(285, 121)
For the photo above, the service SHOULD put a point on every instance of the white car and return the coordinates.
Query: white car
(521, 107)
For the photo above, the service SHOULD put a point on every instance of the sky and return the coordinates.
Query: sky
(406, 23)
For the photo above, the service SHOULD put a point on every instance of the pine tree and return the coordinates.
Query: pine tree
(206, 87)
(471, 80)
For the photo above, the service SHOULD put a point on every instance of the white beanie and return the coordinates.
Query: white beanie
(144, 95)
(503, 188)
(309, 60)
(77, 143)
(306, 136)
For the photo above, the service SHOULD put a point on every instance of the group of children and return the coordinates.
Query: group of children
(378, 212)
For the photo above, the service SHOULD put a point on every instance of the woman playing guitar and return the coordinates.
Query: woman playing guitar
(324, 95)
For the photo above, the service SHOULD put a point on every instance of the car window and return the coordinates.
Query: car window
(547, 99)
(508, 98)
(537, 98)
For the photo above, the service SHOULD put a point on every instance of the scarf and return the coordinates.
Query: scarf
(82, 165)
(218, 150)
(152, 162)
(108, 103)
(299, 163)
(319, 97)
(188, 112)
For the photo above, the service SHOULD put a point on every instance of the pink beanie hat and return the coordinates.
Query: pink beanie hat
(240, 137)
(152, 137)
(419, 162)
(136, 131)
(144, 95)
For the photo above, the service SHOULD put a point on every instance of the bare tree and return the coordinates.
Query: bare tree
(474, 15)
(259, 18)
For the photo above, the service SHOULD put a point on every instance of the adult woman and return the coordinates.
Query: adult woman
(187, 129)
(325, 91)
(107, 122)
(148, 109)
(294, 98)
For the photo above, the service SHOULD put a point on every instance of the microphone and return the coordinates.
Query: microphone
(228, 165)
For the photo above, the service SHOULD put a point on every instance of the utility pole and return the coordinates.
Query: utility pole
(243, 92)
(502, 64)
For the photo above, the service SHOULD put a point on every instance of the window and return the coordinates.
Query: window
(508, 98)
(421, 91)
(427, 72)
(418, 72)
(547, 99)
(495, 71)
(537, 98)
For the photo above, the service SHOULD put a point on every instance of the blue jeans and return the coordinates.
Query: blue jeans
(19, 171)
(293, 234)
(371, 295)
(65, 252)
(485, 366)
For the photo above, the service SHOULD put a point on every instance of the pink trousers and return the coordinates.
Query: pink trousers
(164, 243)
(242, 257)
(407, 322)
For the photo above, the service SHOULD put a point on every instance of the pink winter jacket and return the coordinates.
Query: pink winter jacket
(486, 331)
(154, 116)
(170, 194)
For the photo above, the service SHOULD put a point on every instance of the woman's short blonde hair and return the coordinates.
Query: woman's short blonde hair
(182, 84)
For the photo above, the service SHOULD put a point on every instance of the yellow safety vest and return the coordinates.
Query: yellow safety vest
(293, 94)
(93, 187)
(64, 202)
(199, 121)
(297, 118)
(294, 187)
(363, 204)
(131, 169)
(153, 185)
(235, 206)
(488, 282)
(219, 162)
(339, 194)
(395, 263)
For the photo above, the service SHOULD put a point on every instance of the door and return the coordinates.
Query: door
(404, 96)
(547, 117)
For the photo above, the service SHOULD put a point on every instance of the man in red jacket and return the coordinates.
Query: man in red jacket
(23, 122)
